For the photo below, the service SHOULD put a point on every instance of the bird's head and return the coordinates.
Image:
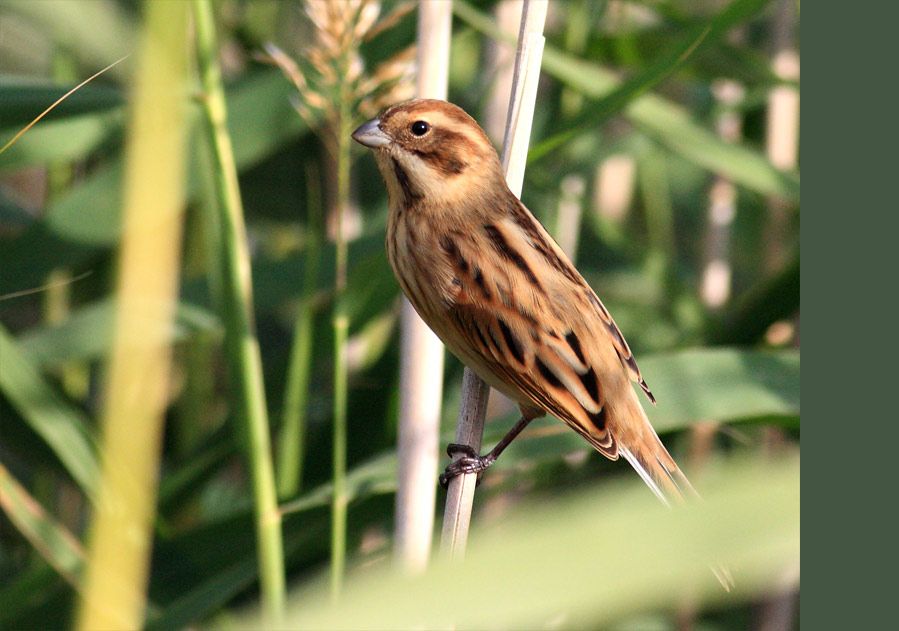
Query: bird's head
(430, 151)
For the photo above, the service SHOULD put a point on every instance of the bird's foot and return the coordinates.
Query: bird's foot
(470, 462)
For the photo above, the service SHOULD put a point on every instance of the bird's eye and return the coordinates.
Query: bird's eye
(420, 128)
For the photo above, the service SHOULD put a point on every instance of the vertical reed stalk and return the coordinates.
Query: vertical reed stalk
(421, 367)
(470, 427)
(341, 323)
(782, 127)
(240, 335)
(716, 276)
(782, 147)
(331, 86)
(136, 389)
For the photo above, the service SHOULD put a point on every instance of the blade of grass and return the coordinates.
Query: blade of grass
(53, 542)
(62, 426)
(86, 218)
(87, 333)
(74, 377)
(240, 335)
(69, 138)
(37, 119)
(24, 98)
(136, 390)
(696, 37)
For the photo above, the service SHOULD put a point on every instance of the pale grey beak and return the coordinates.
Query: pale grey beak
(370, 134)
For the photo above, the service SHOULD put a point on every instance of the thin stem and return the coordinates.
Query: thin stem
(470, 427)
(74, 375)
(341, 328)
(421, 352)
(240, 334)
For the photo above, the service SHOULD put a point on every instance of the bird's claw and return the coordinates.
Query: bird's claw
(460, 448)
(470, 462)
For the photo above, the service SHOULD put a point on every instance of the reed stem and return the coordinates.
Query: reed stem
(421, 367)
(341, 324)
(470, 427)
(242, 346)
(137, 385)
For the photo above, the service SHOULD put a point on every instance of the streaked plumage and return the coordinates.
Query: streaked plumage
(494, 286)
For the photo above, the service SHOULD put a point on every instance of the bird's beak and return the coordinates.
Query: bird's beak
(371, 135)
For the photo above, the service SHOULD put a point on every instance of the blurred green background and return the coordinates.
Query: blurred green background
(663, 157)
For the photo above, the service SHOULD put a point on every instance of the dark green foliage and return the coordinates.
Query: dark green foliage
(643, 89)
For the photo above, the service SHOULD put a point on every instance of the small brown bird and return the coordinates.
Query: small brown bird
(494, 286)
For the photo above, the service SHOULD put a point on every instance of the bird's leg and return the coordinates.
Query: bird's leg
(471, 462)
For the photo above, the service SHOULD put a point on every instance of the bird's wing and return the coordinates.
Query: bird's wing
(569, 280)
(528, 321)
(521, 316)
(543, 368)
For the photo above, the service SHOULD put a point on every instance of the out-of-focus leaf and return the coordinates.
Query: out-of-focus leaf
(545, 565)
(24, 99)
(37, 587)
(13, 216)
(97, 32)
(673, 127)
(58, 140)
(84, 220)
(59, 547)
(371, 289)
(726, 384)
(209, 595)
(63, 427)
(369, 344)
(273, 279)
(195, 467)
(87, 333)
(260, 116)
(721, 384)
(772, 299)
(659, 118)
(303, 538)
(52, 541)
(374, 477)
(695, 38)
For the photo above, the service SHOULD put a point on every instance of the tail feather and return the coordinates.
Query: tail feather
(657, 468)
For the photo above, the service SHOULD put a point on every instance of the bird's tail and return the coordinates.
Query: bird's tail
(649, 458)
(654, 464)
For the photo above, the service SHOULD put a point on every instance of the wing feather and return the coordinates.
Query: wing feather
(519, 359)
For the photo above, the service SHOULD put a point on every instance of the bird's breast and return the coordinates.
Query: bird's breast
(420, 266)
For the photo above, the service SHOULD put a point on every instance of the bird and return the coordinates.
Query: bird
(490, 281)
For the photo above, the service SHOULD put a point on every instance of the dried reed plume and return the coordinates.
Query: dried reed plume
(331, 72)
(333, 89)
